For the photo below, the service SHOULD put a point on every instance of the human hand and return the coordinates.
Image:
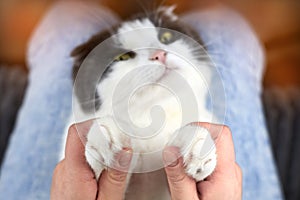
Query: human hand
(224, 183)
(74, 179)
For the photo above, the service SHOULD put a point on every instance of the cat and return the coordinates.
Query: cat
(137, 66)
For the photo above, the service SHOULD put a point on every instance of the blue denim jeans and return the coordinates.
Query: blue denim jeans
(36, 141)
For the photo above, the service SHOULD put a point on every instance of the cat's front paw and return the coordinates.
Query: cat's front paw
(103, 142)
(198, 150)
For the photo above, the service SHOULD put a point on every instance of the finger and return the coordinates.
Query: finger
(225, 153)
(239, 173)
(227, 176)
(72, 177)
(222, 188)
(215, 130)
(181, 186)
(112, 183)
(239, 177)
(224, 147)
(74, 151)
(75, 160)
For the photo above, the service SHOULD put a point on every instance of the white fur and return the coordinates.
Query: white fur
(105, 137)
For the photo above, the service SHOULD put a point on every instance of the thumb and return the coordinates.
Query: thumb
(112, 183)
(181, 186)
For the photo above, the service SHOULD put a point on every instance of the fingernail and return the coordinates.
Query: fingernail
(125, 158)
(170, 158)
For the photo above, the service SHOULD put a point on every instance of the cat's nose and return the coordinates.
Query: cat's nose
(159, 55)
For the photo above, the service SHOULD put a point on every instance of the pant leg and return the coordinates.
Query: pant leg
(36, 141)
(239, 59)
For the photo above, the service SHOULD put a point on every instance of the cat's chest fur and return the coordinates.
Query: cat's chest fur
(150, 103)
(141, 109)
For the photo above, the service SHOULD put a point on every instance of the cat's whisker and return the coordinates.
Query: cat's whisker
(111, 31)
(90, 101)
(160, 3)
(212, 42)
(144, 8)
(200, 52)
(157, 11)
(208, 64)
(223, 67)
(215, 53)
(156, 6)
(156, 16)
(218, 66)
(197, 47)
(201, 56)
(107, 25)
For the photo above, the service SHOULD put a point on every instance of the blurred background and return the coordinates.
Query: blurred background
(276, 22)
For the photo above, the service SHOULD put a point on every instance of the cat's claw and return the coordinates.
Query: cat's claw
(198, 151)
(101, 146)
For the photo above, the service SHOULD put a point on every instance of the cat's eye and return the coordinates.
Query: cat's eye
(125, 56)
(166, 37)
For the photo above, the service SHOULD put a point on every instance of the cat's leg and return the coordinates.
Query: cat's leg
(104, 141)
(95, 155)
(197, 149)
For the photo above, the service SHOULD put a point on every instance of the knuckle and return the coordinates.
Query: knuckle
(177, 178)
(72, 129)
(239, 172)
(58, 168)
(226, 129)
(117, 177)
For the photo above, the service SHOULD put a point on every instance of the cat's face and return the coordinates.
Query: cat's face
(152, 53)
(154, 49)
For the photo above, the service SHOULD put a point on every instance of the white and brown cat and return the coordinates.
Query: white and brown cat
(149, 61)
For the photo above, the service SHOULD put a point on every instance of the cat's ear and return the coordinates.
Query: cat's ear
(168, 11)
(85, 84)
(82, 51)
